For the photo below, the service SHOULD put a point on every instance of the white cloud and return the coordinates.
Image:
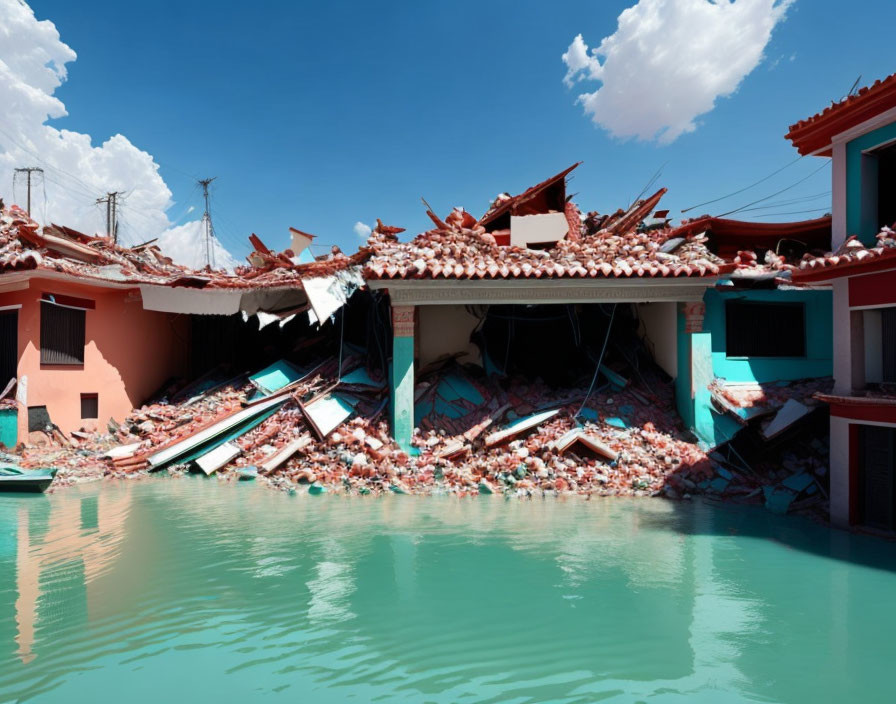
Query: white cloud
(668, 62)
(185, 244)
(361, 230)
(33, 62)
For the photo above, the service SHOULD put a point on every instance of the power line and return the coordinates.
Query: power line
(776, 193)
(791, 212)
(745, 188)
(784, 203)
(28, 170)
(46, 163)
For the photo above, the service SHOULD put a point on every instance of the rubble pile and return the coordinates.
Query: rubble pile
(515, 437)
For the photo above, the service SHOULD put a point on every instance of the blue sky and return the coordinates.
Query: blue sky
(318, 115)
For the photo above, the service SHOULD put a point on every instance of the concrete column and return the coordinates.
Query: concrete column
(838, 196)
(403, 375)
(839, 471)
(843, 344)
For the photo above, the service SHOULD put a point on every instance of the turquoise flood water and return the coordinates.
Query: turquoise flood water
(193, 590)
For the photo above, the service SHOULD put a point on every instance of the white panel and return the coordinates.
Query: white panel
(659, 325)
(535, 229)
(191, 300)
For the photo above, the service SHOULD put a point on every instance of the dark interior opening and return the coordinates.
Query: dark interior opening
(886, 186)
(235, 345)
(560, 344)
(9, 342)
(38, 419)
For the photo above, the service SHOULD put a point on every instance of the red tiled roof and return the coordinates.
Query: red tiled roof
(851, 258)
(614, 250)
(24, 246)
(813, 135)
(728, 237)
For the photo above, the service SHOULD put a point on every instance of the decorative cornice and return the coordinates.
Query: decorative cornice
(430, 293)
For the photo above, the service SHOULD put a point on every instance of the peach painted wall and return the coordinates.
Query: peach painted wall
(129, 353)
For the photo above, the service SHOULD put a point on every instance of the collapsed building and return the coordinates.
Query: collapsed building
(534, 348)
(89, 329)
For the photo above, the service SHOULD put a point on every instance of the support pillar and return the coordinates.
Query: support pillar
(403, 318)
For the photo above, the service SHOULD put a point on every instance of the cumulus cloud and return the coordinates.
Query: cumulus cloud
(33, 62)
(668, 61)
(185, 244)
(361, 230)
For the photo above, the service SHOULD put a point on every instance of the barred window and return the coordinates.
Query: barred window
(62, 331)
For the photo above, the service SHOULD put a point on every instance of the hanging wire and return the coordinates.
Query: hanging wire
(776, 193)
(745, 188)
(600, 360)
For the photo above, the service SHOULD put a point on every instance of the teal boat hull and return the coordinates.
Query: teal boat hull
(32, 481)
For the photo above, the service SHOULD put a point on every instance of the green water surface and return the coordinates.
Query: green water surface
(192, 590)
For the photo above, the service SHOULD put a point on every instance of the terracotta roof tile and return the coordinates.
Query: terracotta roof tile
(615, 250)
(849, 257)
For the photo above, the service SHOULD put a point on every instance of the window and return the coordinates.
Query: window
(9, 341)
(62, 329)
(886, 184)
(90, 406)
(38, 418)
(877, 488)
(765, 329)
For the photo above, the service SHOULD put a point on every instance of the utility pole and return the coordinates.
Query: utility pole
(111, 201)
(28, 170)
(207, 221)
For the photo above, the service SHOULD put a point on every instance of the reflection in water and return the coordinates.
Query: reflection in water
(101, 519)
(399, 598)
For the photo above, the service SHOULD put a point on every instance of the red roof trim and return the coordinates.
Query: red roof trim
(524, 196)
(883, 261)
(813, 135)
(732, 236)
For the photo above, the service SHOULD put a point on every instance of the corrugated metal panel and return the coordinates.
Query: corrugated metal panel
(61, 334)
(888, 343)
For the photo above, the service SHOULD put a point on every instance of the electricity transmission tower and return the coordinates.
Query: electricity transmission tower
(207, 221)
(28, 170)
(111, 201)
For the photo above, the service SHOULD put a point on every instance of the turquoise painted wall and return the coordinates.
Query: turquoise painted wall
(701, 352)
(9, 427)
(861, 221)
(819, 359)
(683, 399)
(402, 380)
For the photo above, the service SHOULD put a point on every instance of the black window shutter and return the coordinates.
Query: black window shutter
(9, 340)
(90, 406)
(878, 492)
(62, 334)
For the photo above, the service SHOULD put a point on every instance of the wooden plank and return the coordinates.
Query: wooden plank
(287, 451)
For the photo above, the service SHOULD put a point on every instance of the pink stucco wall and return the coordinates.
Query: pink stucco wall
(129, 352)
